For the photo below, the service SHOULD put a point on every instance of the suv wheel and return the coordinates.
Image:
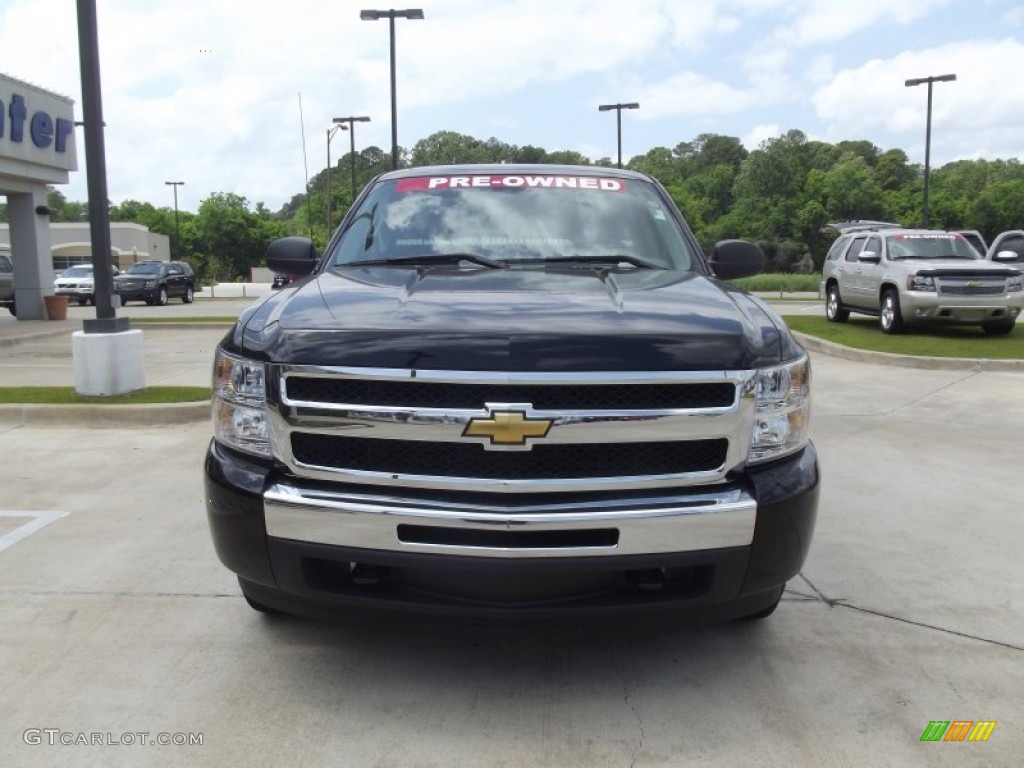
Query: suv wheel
(189, 295)
(162, 298)
(890, 317)
(834, 306)
(998, 329)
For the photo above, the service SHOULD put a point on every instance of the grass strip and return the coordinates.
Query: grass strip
(68, 396)
(945, 341)
(779, 282)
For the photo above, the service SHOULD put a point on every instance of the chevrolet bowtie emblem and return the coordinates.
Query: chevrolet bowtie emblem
(507, 427)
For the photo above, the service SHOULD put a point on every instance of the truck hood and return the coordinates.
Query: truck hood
(952, 267)
(514, 320)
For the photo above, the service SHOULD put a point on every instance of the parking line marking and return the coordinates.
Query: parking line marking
(42, 519)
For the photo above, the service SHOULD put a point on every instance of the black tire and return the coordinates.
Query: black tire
(12, 310)
(189, 295)
(161, 299)
(998, 329)
(890, 318)
(124, 302)
(82, 302)
(834, 305)
(767, 611)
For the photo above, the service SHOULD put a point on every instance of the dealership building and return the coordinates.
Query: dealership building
(37, 149)
(70, 244)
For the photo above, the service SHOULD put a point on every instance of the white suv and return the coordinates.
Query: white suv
(906, 276)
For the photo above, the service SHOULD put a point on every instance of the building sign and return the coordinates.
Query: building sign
(36, 126)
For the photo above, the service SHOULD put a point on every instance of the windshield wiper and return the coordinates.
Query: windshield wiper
(608, 258)
(427, 259)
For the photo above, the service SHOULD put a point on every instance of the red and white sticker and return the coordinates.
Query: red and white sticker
(427, 183)
(930, 236)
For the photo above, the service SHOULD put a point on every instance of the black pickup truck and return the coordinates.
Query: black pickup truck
(512, 390)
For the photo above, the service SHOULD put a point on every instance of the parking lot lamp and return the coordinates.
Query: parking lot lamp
(330, 135)
(618, 120)
(391, 15)
(928, 130)
(352, 144)
(177, 228)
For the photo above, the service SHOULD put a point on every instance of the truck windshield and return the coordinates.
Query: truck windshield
(935, 246)
(516, 221)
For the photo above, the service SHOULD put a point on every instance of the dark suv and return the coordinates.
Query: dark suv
(155, 282)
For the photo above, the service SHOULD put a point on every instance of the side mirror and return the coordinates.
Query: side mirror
(1007, 256)
(292, 256)
(869, 256)
(735, 258)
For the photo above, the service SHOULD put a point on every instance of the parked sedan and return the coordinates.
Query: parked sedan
(77, 283)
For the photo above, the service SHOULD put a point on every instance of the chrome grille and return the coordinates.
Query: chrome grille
(608, 429)
(579, 460)
(987, 286)
(592, 397)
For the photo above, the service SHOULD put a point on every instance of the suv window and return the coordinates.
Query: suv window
(837, 249)
(145, 268)
(1013, 243)
(855, 248)
(174, 269)
(5, 264)
(874, 244)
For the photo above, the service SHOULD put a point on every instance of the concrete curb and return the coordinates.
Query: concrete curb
(832, 349)
(16, 340)
(181, 326)
(149, 415)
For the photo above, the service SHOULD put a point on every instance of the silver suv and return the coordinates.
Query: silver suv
(907, 276)
(6, 282)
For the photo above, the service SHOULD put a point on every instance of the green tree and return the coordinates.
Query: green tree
(230, 237)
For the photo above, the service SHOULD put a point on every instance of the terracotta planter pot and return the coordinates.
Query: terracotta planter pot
(56, 307)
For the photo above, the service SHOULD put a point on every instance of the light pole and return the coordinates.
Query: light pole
(177, 229)
(330, 135)
(409, 13)
(618, 119)
(928, 130)
(352, 144)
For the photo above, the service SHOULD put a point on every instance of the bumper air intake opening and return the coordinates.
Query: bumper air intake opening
(462, 537)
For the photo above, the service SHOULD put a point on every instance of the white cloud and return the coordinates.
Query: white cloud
(759, 133)
(228, 120)
(807, 22)
(1014, 17)
(978, 115)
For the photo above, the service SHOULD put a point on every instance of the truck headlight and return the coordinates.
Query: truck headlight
(782, 410)
(920, 283)
(240, 404)
(150, 284)
(1013, 284)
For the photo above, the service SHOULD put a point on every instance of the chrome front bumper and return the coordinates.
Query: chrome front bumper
(645, 525)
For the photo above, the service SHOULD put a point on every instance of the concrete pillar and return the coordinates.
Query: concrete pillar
(31, 252)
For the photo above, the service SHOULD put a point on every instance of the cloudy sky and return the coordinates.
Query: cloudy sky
(206, 91)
